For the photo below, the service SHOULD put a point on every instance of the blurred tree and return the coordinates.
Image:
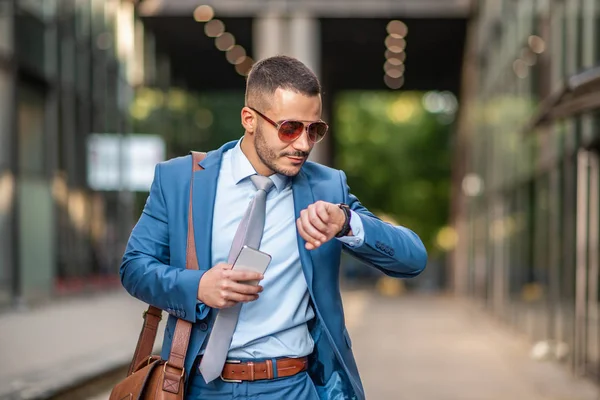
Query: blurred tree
(394, 148)
(188, 121)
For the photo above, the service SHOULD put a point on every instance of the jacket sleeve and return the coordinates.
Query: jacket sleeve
(395, 250)
(145, 271)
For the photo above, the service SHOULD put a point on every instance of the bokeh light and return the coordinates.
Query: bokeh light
(225, 42)
(400, 56)
(536, 44)
(397, 28)
(204, 13)
(393, 83)
(236, 54)
(244, 67)
(214, 28)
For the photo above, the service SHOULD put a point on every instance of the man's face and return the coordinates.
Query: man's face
(282, 157)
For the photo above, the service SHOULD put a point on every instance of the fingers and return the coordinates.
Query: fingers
(318, 217)
(232, 297)
(311, 243)
(235, 287)
(222, 287)
(226, 304)
(323, 209)
(242, 276)
(311, 229)
(314, 224)
(231, 293)
(234, 292)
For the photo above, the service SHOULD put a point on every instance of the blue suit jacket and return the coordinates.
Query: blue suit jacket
(153, 268)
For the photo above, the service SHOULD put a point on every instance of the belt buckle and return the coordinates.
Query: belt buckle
(231, 380)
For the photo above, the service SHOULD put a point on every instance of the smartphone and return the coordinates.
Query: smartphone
(250, 259)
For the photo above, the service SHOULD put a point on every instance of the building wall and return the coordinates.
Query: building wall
(527, 209)
(6, 177)
(67, 69)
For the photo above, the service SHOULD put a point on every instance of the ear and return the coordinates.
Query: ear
(248, 120)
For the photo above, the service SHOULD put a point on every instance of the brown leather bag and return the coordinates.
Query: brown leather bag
(150, 377)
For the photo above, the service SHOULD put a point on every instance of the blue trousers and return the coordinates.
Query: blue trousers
(297, 387)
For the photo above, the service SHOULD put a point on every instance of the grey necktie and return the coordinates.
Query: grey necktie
(249, 233)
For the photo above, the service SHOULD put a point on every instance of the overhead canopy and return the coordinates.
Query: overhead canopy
(352, 51)
(317, 8)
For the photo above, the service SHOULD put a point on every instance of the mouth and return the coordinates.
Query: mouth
(296, 160)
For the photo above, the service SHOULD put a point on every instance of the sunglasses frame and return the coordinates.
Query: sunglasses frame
(278, 125)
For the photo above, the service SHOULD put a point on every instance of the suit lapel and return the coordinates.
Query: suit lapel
(303, 197)
(204, 193)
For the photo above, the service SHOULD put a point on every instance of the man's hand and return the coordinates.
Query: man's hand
(319, 223)
(222, 287)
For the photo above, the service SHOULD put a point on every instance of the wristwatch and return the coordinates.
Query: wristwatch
(346, 227)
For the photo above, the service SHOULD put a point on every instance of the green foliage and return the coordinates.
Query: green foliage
(397, 158)
(188, 121)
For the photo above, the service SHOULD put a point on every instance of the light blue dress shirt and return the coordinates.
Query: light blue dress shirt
(274, 325)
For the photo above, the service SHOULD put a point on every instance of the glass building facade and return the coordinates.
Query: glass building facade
(68, 68)
(527, 172)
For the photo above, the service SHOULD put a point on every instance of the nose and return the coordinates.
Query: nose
(302, 143)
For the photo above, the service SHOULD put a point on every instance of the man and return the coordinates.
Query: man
(292, 323)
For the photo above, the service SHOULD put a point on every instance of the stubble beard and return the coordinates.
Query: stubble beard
(268, 157)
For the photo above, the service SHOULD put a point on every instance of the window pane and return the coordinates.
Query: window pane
(44, 10)
(6, 248)
(82, 20)
(30, 41)
(31, 131)
(6, 37)
(6, 99)
(6, 186)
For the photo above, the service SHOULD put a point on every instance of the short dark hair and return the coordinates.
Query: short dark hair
(269, 74)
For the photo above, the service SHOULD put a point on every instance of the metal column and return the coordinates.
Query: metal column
(296, 35)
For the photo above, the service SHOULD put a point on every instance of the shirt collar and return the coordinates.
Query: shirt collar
(242, 169)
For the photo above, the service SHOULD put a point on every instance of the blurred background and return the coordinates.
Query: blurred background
(472, 122)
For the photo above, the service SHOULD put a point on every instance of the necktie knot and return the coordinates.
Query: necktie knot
(262, 182)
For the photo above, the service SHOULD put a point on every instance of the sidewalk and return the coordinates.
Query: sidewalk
(407, 348)
(436, 348)
(66, 341)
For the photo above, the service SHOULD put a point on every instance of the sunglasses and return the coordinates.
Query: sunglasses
(290, 130)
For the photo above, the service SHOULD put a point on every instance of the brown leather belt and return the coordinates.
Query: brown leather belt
(237, 371)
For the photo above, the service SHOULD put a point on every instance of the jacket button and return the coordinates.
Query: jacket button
(203, 326)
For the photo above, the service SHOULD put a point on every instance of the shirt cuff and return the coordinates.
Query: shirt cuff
(358, 232)
(201, 311)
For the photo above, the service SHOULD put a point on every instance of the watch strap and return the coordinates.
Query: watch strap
(346, 227)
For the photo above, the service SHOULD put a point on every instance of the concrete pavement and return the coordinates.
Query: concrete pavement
(407, 348)
(64, 342)
(438, 348)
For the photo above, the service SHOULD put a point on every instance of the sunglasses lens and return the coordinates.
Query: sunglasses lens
(317, 131)
(290, 130)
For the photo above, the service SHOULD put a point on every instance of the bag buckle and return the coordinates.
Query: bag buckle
(165, 369)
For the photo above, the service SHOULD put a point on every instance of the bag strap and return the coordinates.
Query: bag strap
(153, 315)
